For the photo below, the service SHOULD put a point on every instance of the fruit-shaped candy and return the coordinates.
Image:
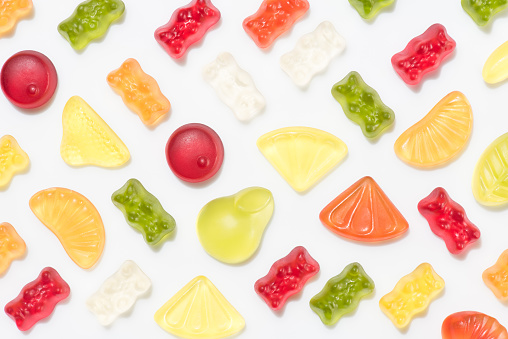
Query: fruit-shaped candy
(472, 325)
(12, 160)
(496, 67)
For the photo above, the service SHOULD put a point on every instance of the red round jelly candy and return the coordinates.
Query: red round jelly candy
(28, 79)
(194, 152)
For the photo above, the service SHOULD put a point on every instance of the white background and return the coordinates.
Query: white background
(370, 46)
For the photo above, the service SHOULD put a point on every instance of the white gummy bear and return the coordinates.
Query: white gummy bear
(118, 293)
(234, 86)
(312, 53)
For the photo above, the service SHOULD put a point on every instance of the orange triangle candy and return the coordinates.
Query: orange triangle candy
(11, 246)
(363, 212)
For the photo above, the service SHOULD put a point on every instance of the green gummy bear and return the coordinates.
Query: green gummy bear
(483, 10)
(143, 211)
(90, 21)
(369, 8)
(362, 105)
(342, 294)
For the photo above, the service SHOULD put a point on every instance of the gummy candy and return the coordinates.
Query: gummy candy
(342, 294)
(481, 11)
(302, 155)
(230, 228)
(412, 295)
(496, 277)
(90, 21)
(74, 220)
(199, 310)
(187, 26)
(11, 246)
(472, 325)
(423, 54)
(369, 8)
(139, 91)
(11, 11)
(286, 277)
(362, 105)
(87, 139)
(234, 86)
(440, 135)
(273, 18)
(118, 293)
(194, 152)
(143, 212)
(312, 53)
(37, 299)
(363, 212)
(12, 160)
(496, 67)
(28, 79)
(448, 220)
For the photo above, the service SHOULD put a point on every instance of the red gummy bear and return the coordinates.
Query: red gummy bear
(286, 277)
(187, 26)
(37, 299)
(423, 54)
(448, 220)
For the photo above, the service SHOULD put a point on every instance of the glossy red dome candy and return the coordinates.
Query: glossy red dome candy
(194, 152)
(28, 79)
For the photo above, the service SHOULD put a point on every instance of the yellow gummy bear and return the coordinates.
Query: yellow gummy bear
(12, 159)
(87, 139)
(496, 67)
(11, 11)
(199, 310)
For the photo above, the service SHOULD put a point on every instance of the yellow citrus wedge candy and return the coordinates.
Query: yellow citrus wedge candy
(74, 220)
(12, 159)
(496, 67)
(440, 135)
(12, 246)
(199, 310)
(87, 139)
(302, 155)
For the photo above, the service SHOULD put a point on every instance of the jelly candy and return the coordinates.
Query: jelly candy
(28, 79)
(90, 21)
(490, 185)
(199, 310)
(194, 152)
(482, 11)
(472, 325)
(37, 299)
(11, 246)
(273, 18)
(286, 277)
(74, 220)
(496, 277)
(362, 105)
(423, 54)
(412, 295)
(440, 135)
(234, 86)
(139, 91)
(12, 160)
(118, 293)
(342, 294)
(143, 212)
(448, 220)
(369, 8)
(312, 53)
(11, 11)
(496, 67)
(363, 212)
(187, 26)
(87, 139)
(302, 155)
(230, 228)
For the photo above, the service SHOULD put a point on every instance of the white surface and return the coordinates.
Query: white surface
(295, 220)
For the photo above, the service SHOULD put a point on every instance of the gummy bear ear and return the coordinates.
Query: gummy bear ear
(253, 199)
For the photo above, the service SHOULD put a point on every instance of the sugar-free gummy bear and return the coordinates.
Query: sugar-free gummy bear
(369, 8)
(483, 10)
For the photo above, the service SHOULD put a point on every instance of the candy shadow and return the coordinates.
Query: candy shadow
(497, 209)
(27, 17)
(10, 264)
(24, 171)
(497, 84)
(487, 28)
(105, 168)
(370, 243)
(303, 193)
(159, 121)
(432, 75)
(388, 9)
(168, 237)
(376, 139)
(48, 318)
(128, 313)
(203, 184)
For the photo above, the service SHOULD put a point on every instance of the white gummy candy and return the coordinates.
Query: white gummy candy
(118, 293)
(312, 53)
(234, 86)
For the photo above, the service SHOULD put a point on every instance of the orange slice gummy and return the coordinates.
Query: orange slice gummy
(496, 277)
(12, 159)
(11, 246)
(11, 11)
(363, 212)
(74, 220)
(472, 325)
(440, 135)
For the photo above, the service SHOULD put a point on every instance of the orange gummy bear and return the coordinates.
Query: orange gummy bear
(496, 277)
(139, 91)
(10, 13)
(11, 246)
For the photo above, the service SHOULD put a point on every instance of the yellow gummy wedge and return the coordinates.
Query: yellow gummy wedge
(12, 160)
(302, 155)
(87, 139)
(199, 310)
(440, 135)
(496, 67)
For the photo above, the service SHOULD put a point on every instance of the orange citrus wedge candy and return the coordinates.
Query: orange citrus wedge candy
(11, 246)
(74, 220)
(12, 159)
(472, 325)
(440, 135)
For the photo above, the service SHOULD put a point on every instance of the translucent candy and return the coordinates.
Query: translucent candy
(368, 9)
(12, 160)
(472, 325)
(12, 246)
(496, 277)
(496, 67)
(11, 11)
